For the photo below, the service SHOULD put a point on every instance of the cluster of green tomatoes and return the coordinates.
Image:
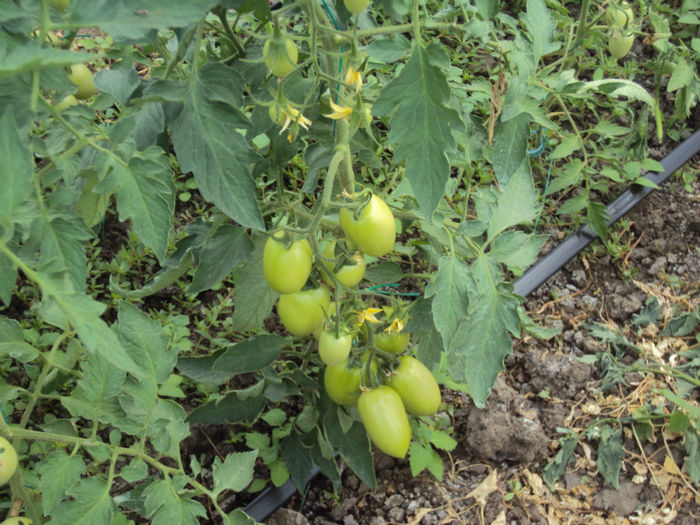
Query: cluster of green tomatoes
(364, 349)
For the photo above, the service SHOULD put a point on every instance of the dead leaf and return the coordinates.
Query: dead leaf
(500, 519)
(485, 488)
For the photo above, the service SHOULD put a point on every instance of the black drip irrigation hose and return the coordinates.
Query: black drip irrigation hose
(273, 498)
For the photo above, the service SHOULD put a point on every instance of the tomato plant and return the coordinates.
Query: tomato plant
(334, 350)
(394, 342)
(384, 417)
(348, 275)
(286, 268)
(356, 6)
(373, 231)
(302, 312)
(8, 460)
(81, 76)
(417, 387)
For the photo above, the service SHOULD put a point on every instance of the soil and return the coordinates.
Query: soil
(494, 475)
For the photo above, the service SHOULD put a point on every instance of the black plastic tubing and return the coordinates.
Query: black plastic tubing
(273, 498)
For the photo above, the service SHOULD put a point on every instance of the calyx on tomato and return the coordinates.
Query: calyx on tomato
(384, 417)
(8, 460)
(417, 387)
(371, 228)
(348, 275)
(302, 312)
(286, 267)
(620, 15)
(280, 53)
(334, 350)
(343, 381)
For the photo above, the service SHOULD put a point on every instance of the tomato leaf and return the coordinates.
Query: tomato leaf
(8, 278)
(16, 174)
(91, 505)
(692, 449)
(62, 248)
(235, 473)
(421, 457)
(509, 147)
(541, 28)
(250, 355)
(225, 249)
(234, 407)
(516, 249)
(422, 120)
(610, 452)
(516, 202)
(58, 473)
(429, 341)
(165, 506)
(253, 299)
(557, 467)
(450, 292)
(298, 460)
(208, 143)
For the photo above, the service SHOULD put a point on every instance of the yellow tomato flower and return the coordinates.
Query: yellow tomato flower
(368, 314)
(339, 111)
(294, 115)
(353, 78)
(397, 325)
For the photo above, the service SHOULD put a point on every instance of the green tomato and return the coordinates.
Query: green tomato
(348, 275)
(385, 420)
(374, 231)
(67, 102)
(343, 381)
(620, 15)
(8, 460)
(81, 76)
(392, 342)
(356, 6)
(17, 521)
(417, 387)
(619, 45)
(334, 350)
(286, 270)
(280, 56)
(59, 5)
(302, 312)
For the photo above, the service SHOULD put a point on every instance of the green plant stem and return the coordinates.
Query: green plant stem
(580, 31)
(221, 13)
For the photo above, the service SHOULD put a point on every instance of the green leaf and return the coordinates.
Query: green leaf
(128, 20)
(610, 452)
(643, 181)
(598, 217)
(232, 408)
(253, 299)
(62, 248)
(481, 342)
(450, 292)
(571, 175)
(250, 355)
(692, 449)
(421, 457)
(557, 468)
(650, 313)
(541, 28)
(390, 49)
(517, 250)
(17, 170)
(58, 473)
(681, 77)
(29, 56)
(516, 203)
(384, 273)
(610, 129)
(227, 248)
(442, 440)
(165, 506)
(678, 421)
(202, 368)
(235, 473)
(239, 517)
(120, 83)
(91, 206)
(509, 147)
(208, 143)
(146, 194)
(12, 342)
(618, 88)
(353, 446)
(429, 341)
(298, 460)
(535, 330)
(421, 122)
(682, 324)
(8, 278)
(567, 146)
(136, 470)
(91, 505)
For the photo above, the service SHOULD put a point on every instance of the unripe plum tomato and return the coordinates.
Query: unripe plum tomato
(8, 460)
(17, 521)
(286, 270)
(334, 350)
(385, 420)
(417, 387)
(343, 381)
(374, 231)
(348, 275)
(280, 55)
(81, 76)
(619, 44)
(620, 15)
(356, 6)
(392, 342)
(302, 312)
(59, 5)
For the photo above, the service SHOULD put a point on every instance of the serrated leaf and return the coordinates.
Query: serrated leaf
(681, 77)
(353, 446)
(610, 452)
(516, 203)
(17, 170)
(232, 408)
(120, 83)
(235, 473)
(618, 88)
(557, 468)
(449, 290)
(509, 147)
(571, 175)
(421, 122)
(28, 56)
(239, 517)
(62, 248)
(692, 449)
(253, 298)
(224, 250)
(8, 278)
(12, 342)
(421, 457)
(165, 506)
(58, 473)
(567, 146)
(607, 128)
(251, 354)
(541, 28)
(442, 440)
(208, 143)
(481, 342)
(532, 328)
(429, 341)
(298, 460)
(517, 250)
(91, 505)
(598, 217)
(136, 470)
(384, 273)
